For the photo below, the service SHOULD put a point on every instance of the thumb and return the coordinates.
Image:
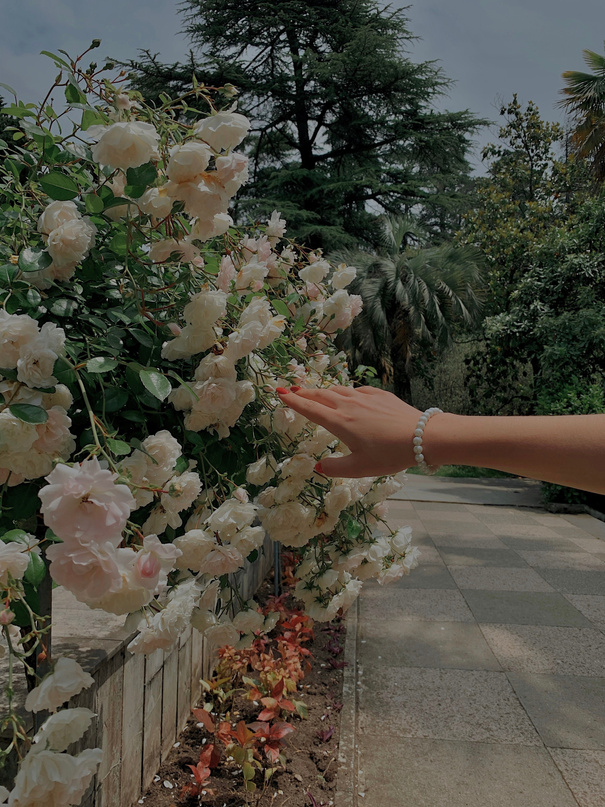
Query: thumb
(348, 466)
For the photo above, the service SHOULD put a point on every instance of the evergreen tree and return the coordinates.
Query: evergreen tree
(344, 127)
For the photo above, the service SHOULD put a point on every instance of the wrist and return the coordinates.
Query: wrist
(441, 439)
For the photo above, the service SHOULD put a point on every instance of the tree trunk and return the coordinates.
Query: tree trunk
(401, 338)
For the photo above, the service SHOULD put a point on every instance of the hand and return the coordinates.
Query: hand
(375, 425)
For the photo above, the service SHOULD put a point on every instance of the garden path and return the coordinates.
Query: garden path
(479, 680)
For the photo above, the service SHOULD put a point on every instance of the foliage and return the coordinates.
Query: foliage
(585, 101)
(414, 295)
(343, 120)
(144, 450)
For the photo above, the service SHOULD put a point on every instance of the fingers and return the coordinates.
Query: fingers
(320, 413)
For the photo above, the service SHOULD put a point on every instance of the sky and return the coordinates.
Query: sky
(490, 49)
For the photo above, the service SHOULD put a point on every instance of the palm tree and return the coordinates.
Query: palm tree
(586, 102)
(413, 295)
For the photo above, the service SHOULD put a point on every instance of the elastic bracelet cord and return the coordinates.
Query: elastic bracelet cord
(418, 435)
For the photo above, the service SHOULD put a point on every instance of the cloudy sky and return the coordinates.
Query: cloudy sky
(490, 48)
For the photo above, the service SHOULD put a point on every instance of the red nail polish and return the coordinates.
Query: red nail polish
(295, 389)
(281, 390)
(318, 468)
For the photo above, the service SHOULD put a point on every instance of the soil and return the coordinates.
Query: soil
(309, 778)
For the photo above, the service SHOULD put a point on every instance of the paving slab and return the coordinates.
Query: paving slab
(494, 492)
(568, 711)
(441, 704)
(548, 649)
(437, 773)
(402, 604)
(584, 773)
(482, 673)
(417, 643)
(525, 608)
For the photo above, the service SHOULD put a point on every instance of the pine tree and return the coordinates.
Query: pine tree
(344, 124)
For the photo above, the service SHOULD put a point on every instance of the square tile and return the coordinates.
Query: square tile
(568, 711)
(441, 605)
(591, 605)
(587, 523)
(471, 705)
(480, 556)
(522, 530)
(468, 528)
(584, 772)
(453, 516)
(433, 507)
(498, 578)
(417, 643)
(427, 576)
(562, 560)
(524, 608)
(484, 540)
(436, 773)
(429, 554)
(575, 582)
(525, 544)
(546, 649)
(590, 544)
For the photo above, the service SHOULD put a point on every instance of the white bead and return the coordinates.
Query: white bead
(417, 441)
(418, 449)
(422, 421)
(419, 458)
(418, 432)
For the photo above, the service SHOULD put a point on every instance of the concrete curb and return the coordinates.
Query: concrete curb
(346, 791)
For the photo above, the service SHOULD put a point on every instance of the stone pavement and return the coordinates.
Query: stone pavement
(479, 680)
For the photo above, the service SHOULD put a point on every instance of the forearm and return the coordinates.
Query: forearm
(568, 449)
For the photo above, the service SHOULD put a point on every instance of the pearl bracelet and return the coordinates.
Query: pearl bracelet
(418, 434)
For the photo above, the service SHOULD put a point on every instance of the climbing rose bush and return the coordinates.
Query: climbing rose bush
(145, 455)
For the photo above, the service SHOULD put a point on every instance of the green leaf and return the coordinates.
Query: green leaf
(248, 771)
(58, 186)
(299, 325)
(354, 528)
(36, 570)
(101, 364)
(91, 118)
(281, 308)
(33, 260)
(93, 203)
(134, 416)
(252, 556)
(135, 191)
(301, 709)
(115, 398)
(142, 175)
(15, 536)
(33, 297)
(29, 413)
(74, 95)
(119, 243)
(7, 273)
(142, 337)
(11, 374)
(156, 383)
(181, 465)
(118, 447)
(64, 373)
(62, 307)
(54, 57)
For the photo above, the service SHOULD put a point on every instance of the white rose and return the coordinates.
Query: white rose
(55, 215)
(161, 250)
(182, 491)
(187, 161)
(203, 200)
(248, 539)
(37, 359)
(14, 559)
(16, 332)
(70, 243)
(48, 779)
(15, 435)
(66, 680)
(261, 471)
(248, 621)
(343, 276)
(205, 307)
(221, 634)
(232, 516)
(62, 729)
(156, 202)
(222, 131)
(202, 230)
(212, 366)
(315, 272)
(276, 227)
(232, 172)
(125, 144)
(195, 546)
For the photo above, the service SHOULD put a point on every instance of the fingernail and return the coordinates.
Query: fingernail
(295, 389)
(318, 468)
(282, 391)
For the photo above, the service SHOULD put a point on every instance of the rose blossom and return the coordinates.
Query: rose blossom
(55, 215)
(16, 436)
(83, 503)
(343, 276)
(62, 729)
(70, 243)
(125, 144)
(203, 199)
(89, 572)
(261, 471)
(232, 172)
(14, 559)
(66, 680)
(204, 230)
(37, 358)
(48, 779)
(54, 436)
(187, 161)
(156, 202)
(16, 332)
(222, 131)
(248, 621)
(221, 634)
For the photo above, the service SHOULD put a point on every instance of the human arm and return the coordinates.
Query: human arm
(378, 428)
